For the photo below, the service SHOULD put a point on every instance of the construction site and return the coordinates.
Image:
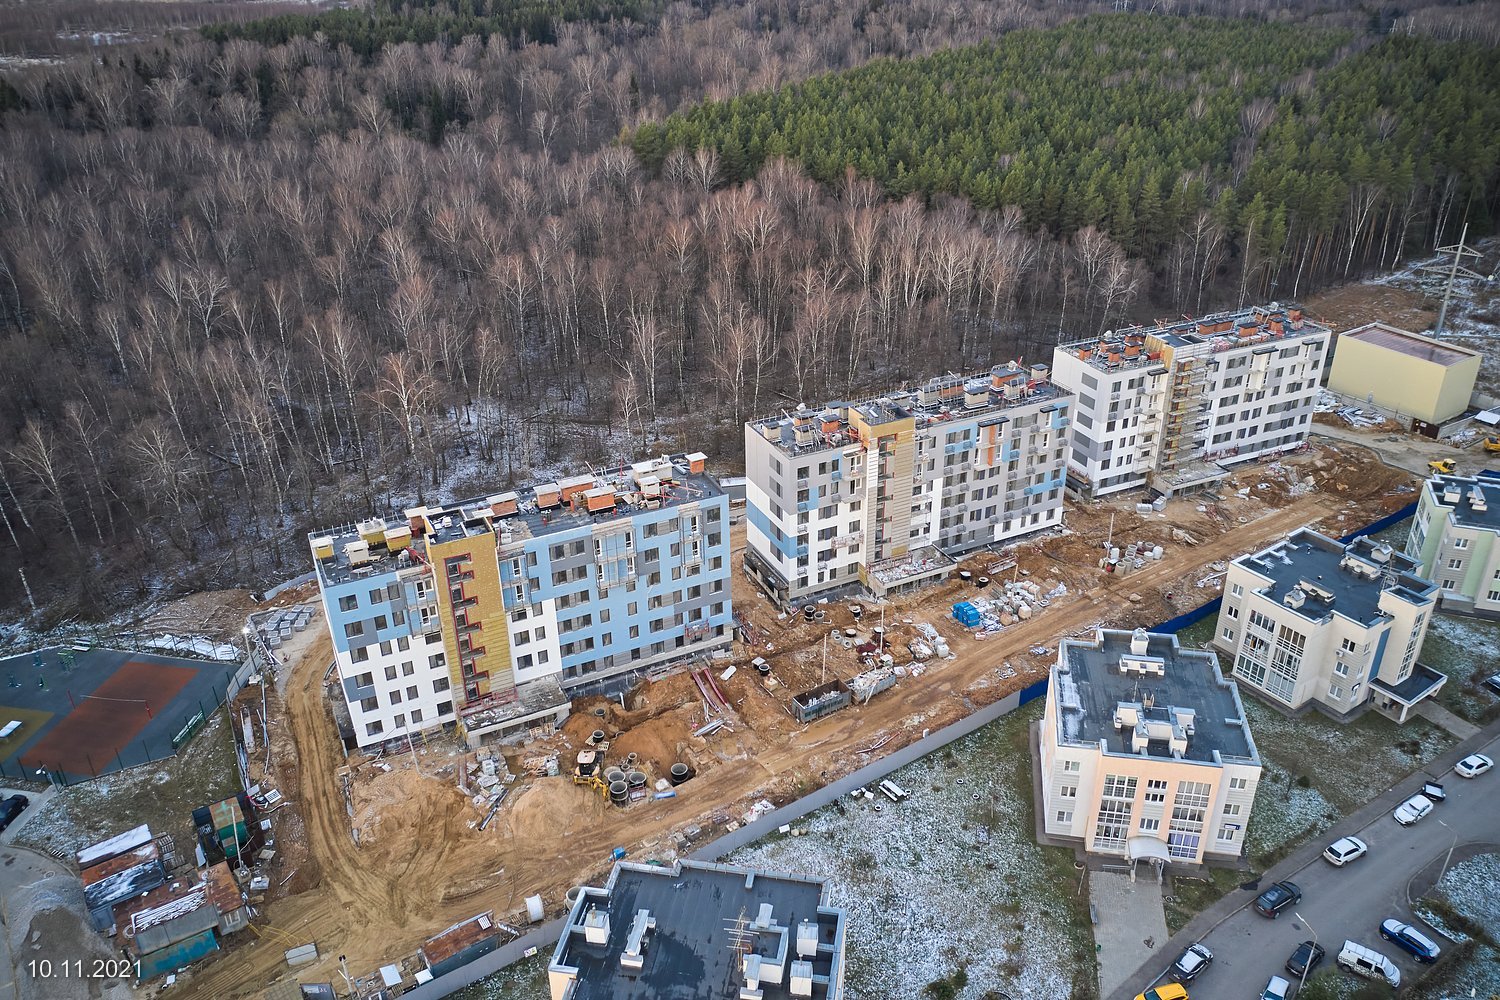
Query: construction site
(379, 852)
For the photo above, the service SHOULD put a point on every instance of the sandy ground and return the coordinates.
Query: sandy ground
(422, 864)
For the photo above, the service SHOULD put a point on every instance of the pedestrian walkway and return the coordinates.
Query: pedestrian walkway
(1131, 927)
(1440, 716)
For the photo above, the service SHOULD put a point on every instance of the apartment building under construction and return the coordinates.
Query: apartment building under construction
(1171, 406)
(493, 613)
(883, 492)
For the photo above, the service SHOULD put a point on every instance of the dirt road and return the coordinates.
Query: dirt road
(428, 868)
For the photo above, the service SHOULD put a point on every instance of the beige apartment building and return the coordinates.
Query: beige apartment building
(1312, 621)
(1144, 751)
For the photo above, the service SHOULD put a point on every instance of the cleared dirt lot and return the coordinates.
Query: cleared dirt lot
(422, 864)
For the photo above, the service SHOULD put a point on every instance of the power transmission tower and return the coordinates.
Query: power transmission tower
(1453, 271)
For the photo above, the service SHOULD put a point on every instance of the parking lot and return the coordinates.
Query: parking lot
(1348, 902)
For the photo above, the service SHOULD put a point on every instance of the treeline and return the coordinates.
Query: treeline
(1312, 161)
(368, 29)
(241, 297)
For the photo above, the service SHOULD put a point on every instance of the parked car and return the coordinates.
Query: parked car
(1305, 959)
(1408, 938)
(10, 808)
(1413, 809)
(1493, 683)
(1473, 766)
(1277, 898)
(1344, 850)
(1434, 791)
(1191, 963)
(1276, 989)
(1356, 958)
(1166, 991)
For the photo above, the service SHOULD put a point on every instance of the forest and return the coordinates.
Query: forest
(257, 281)
(1312, 156)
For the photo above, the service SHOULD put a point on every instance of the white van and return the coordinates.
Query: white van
(9, 728)
(1369, 963)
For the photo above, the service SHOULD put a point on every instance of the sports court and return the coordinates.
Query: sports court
(87, 712)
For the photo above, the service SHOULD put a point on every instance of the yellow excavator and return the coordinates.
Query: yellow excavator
(1443, 466)
(1492, 444)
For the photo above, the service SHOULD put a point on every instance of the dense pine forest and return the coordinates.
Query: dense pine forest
(1312, 160)
(277, 274)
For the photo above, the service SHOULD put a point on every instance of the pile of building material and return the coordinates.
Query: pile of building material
(870, 683)
(277, 627)
(1357, 417)
(1014, 602)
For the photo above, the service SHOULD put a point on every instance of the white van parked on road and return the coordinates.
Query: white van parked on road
(1369, 963)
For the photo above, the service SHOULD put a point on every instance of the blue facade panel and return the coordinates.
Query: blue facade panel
(762, 522)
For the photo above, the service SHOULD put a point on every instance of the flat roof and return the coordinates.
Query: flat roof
(1254, 326)
(1090, 686)
(1412, 345)
(1463, 511)
(943, 398)
(707, 926)
(450, 942)
(476, 515)
(1420, 683)
(1333, 578)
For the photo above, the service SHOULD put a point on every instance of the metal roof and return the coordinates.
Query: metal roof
(1410, 344)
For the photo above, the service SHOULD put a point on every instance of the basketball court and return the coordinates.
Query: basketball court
(87, 712)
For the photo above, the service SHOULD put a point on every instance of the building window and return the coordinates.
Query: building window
(1071, 765)
(374, 728)
(1229, 635)
(416, 715)
(1261, 622)
(445, 708)
(1232, 809)
(400, 722)
(1336, 692)
(1150, 824)
(408, 668)
(390, 673)
(1229, 831)
(1068, 791)
(1341, 668)
(1235, 590)
(1239, 784)
(348, 602)
(369, 704)
(1231, 611)
(354, 630)
(1065, 816)
(1156, 791)
(1456, 563)
(1460, 543)
(1346, 645)
(440, 685)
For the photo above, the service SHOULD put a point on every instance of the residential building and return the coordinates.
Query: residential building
(1171, 406)
(1313, 621)
(1455, 540)
(491, 613)
(1144, 751)
(882, 492)
(1429, 381)
(700, 930)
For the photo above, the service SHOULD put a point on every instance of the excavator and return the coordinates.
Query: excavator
(1492, 443)
(1443, 466)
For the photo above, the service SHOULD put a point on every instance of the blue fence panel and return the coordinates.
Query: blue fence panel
(1033, 691)
(1192, 617)
(1383, 523)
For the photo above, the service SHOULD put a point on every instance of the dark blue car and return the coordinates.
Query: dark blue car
(1407, 937)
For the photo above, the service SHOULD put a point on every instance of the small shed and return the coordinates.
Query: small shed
(114, 846)
(461, 944)
(120, 878)
(225, 895)
(168, 928)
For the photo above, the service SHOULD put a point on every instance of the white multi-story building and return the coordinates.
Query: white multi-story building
(1169, 407)
(1309, 620)
(1455, 539)
(1145, 752)
(882, 492)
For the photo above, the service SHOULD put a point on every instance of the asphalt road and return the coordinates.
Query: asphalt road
(1350, 902)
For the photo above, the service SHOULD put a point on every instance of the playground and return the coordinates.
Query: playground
(87, 712)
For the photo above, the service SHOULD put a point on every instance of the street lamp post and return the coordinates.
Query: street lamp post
(1308, 964)
(1449, 856)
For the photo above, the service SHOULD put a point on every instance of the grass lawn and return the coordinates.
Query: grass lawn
(526, 980)
(1191, 895)
(163, 794)
(951, 878)
(1465, 650)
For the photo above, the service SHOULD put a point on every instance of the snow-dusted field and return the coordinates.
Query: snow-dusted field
(1463, 648)
(950, 876)
(1470, 887)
